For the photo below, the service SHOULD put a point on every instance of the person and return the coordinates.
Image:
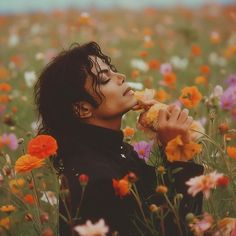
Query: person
(81, 98)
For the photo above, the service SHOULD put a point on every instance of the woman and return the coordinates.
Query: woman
(81, 99)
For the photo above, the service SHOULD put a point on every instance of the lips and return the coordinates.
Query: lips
(126, 91)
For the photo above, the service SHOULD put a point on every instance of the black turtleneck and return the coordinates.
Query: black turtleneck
(101, 154)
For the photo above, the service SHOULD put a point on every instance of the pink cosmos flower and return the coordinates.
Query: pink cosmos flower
(143, 149)
(165, 68)
(10, 140)
(89, 229)
(203, 183)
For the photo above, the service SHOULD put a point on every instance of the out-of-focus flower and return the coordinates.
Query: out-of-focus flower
(223, 181)
(201, 80)
(161, 95)
(231, 151)
(190, 96)
(4, 73)
(28, 198)
(143, 53)
(49, 197)
(204, 69)
(42, 146)
(83, 180)
(179, 63)
(161, 189)
(228, 98)
(2, 109)
(5, 87)
(9, 140)
(135, 74)
(139, 64)
(30, 78)
(145, 95)
(128, 132)
(154, 64)
(89, 229)
(217, 92)
(165, 68)
(169, 79)
(215, 59)
(16, 184)
(177, 150)
(196, 50)
(121, 187)
(84, 19)
(226, 226)
(215, 37)
(231, 81)
(196, 130)
(7, 208)
(5, 222)
(27, 163)
(223, 127)
(203, 183)
(201, 226)
(13, 40)
(143, 149)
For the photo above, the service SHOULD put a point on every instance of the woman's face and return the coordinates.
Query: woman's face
(118, 96)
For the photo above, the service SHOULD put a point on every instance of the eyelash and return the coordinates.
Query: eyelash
(105, 81)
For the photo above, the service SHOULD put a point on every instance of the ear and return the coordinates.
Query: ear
(83, 109)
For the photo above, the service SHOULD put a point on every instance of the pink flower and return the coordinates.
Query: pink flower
(143, 149)
(201, 226)
(203, 183)
(89, 229)
(165, 68)
(10, 140)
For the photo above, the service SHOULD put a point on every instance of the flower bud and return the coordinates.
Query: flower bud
(132, 177)
(20, 141)
(153, 208)
(161, 189)
(83, 180)
(47, 232)
(8, 120)
(44, 217)
(28, 217)
(223, 127)
(190, 217)
(161, 170)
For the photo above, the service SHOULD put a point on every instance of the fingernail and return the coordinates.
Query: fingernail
(186, 110)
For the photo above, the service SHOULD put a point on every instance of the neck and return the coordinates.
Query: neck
(114, 124)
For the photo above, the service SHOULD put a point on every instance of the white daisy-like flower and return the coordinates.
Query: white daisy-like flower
(30, 78)
(49, 197)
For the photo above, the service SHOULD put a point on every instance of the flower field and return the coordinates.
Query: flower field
(187, 56)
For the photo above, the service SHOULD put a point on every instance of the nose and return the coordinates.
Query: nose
(121, 78)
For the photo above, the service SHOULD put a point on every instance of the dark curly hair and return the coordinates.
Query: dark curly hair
(61, 85)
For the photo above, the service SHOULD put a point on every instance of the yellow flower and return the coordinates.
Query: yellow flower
(177, 150)
(5, 222)
(16, 184)
(7, 208)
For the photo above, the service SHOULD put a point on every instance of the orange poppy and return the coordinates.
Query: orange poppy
(5, 87)
(196, 50)
(204, 69)
(190, 96)
(27, 163)
(201, 80)
(42, 146)
(177, 150)
(231, 151)
(170, 79)
(154, 64)
(122, 186)
(135, 73)
(161, 95)
(143, 53)
(28, 198)
(128, 131)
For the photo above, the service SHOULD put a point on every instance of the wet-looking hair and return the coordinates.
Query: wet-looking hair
(62, 84)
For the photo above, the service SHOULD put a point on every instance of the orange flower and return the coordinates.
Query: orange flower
(161, 95)
(5, 222)
(190, 96)
(4, 98)
(196, 50)
(204, 69)
(4, 73)
(147, 31)
(177, 150)
(201, 80)
(161, 189)
(17, 60)
(27, 163)
(42, 146)
(7, 208)
(5, 87)
(29, 199)
(154, 64)
(231, 151)
(170, 79)
(135, 73)
(128, 131)
(121, 187)
(143, 53)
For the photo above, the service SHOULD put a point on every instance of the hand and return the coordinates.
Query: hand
(173, 122)
(144, 104)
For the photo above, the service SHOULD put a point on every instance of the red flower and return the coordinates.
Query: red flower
(223, 181)
(42, 146)
(122, 186)
(83, 180)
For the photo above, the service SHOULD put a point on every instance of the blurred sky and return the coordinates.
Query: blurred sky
(34, 5)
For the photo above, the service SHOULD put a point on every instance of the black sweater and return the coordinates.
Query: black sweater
(101, 154)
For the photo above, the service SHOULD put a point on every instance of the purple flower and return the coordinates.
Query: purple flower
(143, 149)
(165, 68)
(10, 140)
(231, 81)
(228, 98)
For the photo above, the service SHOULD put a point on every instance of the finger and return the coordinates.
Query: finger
(162, 116)
(188, 122)
(175, 114)
(170, 108)
(183, 116)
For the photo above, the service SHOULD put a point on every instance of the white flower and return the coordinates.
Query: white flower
(215, 59)
(139, 64)
(135, 85)
(179, 63)
(89, 229)
(49, 197)
(13, 40)
(30, 78)
(217, 92)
